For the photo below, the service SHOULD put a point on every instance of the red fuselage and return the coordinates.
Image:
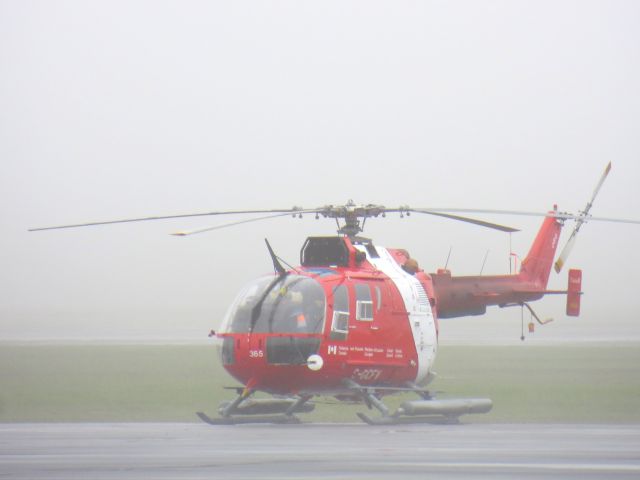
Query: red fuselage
(370, 320)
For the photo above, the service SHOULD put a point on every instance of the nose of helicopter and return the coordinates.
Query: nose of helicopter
(281, 361)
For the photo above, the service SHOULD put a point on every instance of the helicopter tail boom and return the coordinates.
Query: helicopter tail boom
(471, 295)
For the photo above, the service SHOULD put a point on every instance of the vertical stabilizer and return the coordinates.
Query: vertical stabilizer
(536, 266)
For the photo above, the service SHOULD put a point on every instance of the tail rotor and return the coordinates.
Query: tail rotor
(582, 218)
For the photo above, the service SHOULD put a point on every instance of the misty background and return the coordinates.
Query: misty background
(124, 109)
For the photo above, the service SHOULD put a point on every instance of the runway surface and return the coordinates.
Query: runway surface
(199, 451)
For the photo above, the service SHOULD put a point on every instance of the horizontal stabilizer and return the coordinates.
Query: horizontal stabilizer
(573, 297)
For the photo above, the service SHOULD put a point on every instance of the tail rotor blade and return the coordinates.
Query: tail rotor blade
(597, 189)
(565, 252)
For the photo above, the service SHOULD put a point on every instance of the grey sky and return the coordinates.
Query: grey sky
(125, 109)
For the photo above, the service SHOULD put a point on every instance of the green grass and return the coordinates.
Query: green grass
(170, 383)
(546, 384)
(107, 383)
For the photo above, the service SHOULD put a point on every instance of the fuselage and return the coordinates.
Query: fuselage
(369, 320)
(355, 313)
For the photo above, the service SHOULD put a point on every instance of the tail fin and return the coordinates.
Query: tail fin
(536, 266)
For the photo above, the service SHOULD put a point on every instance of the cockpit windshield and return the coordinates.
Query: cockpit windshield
(293, 304)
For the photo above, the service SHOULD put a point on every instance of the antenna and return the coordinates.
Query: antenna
(446, 264)
(510, 253)
(484, 261)
(277, 266)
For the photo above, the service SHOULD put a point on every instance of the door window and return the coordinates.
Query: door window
(364, 302)
(340, 321)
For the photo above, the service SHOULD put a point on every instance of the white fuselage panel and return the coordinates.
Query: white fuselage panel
(416, 302)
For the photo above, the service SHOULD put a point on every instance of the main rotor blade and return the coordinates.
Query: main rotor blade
(484, 210)
(295, 210)
(606, 219)
(185, 233)
(559, 215)
(482, 223)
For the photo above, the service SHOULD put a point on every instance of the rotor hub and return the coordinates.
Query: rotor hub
(351, 214)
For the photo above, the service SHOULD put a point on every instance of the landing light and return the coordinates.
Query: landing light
(315, 362)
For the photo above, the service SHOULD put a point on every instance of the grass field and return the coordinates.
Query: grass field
(169, 383)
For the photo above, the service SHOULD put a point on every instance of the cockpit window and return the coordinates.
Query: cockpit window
(294, 304)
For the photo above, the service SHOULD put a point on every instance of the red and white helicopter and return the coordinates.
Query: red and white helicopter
(359, 321)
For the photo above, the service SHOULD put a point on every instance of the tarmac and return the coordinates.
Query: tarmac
(317, 451)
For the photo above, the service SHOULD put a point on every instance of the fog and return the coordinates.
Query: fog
(125, 109)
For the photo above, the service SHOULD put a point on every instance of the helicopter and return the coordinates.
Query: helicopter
(358, 321)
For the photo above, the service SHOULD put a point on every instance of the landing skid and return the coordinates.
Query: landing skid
(277, 410)
(425, 410)
(245, 410)
(391, 420)
(277, 419)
